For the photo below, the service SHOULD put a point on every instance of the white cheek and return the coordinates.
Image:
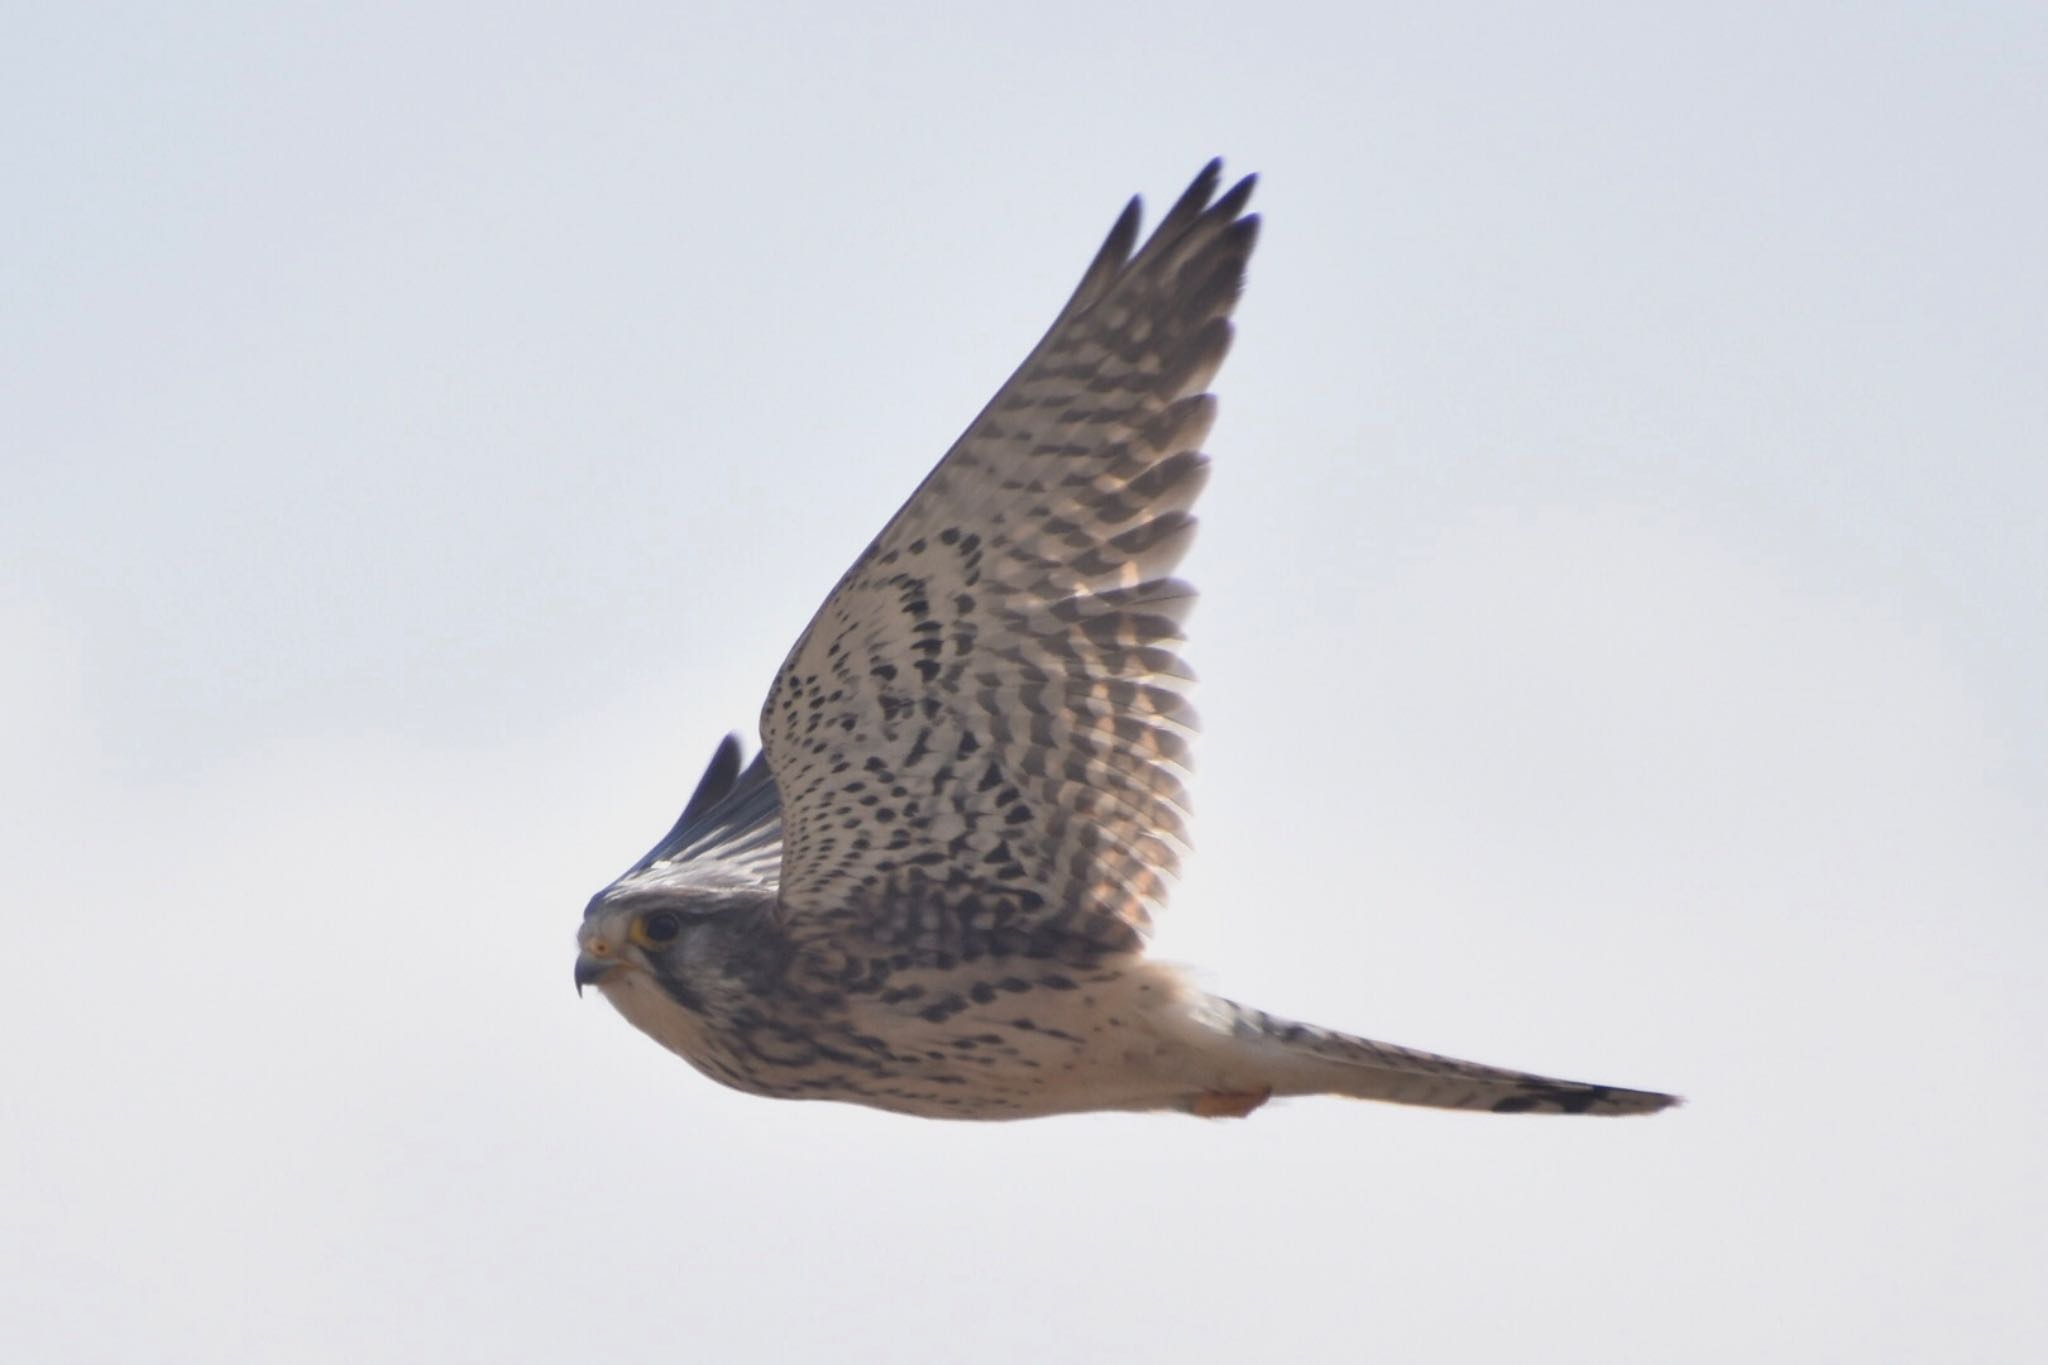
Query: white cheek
(634, 995)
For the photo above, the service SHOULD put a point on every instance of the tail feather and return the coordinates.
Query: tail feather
(1301, 1059)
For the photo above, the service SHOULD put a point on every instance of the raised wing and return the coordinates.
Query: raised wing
(980, 739)
(729, 836)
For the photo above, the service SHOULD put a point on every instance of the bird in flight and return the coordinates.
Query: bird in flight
(931, 890)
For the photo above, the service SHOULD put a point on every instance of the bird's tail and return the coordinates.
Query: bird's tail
(1301, 1059)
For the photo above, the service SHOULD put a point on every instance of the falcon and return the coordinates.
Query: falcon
(931, 890)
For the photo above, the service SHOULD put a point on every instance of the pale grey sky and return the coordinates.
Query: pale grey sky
(425, 427)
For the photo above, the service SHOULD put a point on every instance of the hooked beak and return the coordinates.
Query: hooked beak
(591, 970)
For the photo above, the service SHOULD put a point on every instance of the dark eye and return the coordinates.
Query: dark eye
(661, 927)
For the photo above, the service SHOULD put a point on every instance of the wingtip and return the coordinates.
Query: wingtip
(1202, 190)
(1193, 201)
(1237, 196)
(1123, 233)
(717, 780)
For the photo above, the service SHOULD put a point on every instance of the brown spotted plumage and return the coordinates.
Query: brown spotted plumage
(931, 890)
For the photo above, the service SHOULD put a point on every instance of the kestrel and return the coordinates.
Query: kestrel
(931, 890)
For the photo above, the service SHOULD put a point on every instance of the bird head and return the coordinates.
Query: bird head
(676, 933)
(624, 935)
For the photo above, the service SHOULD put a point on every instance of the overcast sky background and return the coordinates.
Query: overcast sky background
(426, 426)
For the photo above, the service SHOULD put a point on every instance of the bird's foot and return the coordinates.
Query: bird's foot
(1228, 1104)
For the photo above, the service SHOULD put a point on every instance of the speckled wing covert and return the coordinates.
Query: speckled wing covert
(981, 736)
